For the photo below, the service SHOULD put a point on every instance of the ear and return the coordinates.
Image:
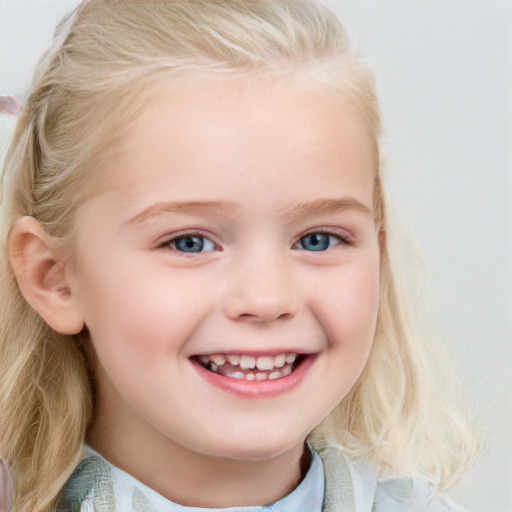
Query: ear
(40, 271)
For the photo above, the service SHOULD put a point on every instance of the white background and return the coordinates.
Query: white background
(444, 72)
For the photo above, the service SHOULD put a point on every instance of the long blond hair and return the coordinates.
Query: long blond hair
(107, 58)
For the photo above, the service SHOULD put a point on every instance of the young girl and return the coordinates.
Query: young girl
(200, 305)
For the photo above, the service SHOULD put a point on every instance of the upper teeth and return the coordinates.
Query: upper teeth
(250, 362)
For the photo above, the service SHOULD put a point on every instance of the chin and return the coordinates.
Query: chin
(255, 450)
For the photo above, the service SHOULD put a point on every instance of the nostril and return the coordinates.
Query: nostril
(285, 316)
(265, 317)
(262, 295)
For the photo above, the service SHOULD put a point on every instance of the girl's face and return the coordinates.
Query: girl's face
(230, 278)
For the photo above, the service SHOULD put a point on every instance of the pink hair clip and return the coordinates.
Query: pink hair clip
(6, 486)
(10, 105)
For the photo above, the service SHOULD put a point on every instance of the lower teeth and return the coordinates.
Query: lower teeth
(227, 369)
(259, 375)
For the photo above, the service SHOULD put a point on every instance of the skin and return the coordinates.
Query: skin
(259, 152)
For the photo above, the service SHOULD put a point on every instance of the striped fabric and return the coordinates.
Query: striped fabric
(96, 485)
(333, 483)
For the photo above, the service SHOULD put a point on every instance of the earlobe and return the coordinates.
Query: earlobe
(40, 271)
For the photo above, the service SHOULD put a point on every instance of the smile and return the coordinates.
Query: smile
(254, 376)
(249, 367)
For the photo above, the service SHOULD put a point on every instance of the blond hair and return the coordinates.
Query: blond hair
(107, 60)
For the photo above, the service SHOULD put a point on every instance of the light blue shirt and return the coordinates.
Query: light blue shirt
(97, 484)
(350, 486)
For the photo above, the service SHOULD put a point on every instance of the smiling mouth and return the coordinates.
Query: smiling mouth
(251, 368)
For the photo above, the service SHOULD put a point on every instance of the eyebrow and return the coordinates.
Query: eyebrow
(218, 208)
(226, 209)
(324, 206)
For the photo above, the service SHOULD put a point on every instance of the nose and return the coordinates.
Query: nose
(262, 290)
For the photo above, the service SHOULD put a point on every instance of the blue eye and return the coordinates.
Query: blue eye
(191, 244)
(318, 242)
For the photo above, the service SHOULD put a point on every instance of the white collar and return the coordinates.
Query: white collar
(121, 492)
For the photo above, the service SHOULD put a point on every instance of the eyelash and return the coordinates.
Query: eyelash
(170, 243)
(343, 239)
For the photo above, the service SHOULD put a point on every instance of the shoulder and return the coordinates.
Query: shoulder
(409, 494)
(90, 482)
(98, 486)
(353, 485)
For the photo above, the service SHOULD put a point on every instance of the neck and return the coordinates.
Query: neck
(194, 479)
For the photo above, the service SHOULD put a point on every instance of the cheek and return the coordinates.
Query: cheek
(348, 307)
(135, 319)
(349, 316)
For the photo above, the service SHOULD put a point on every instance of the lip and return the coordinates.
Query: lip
(257, 389)
(257, 353)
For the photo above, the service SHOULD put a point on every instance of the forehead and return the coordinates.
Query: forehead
(204, 138)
